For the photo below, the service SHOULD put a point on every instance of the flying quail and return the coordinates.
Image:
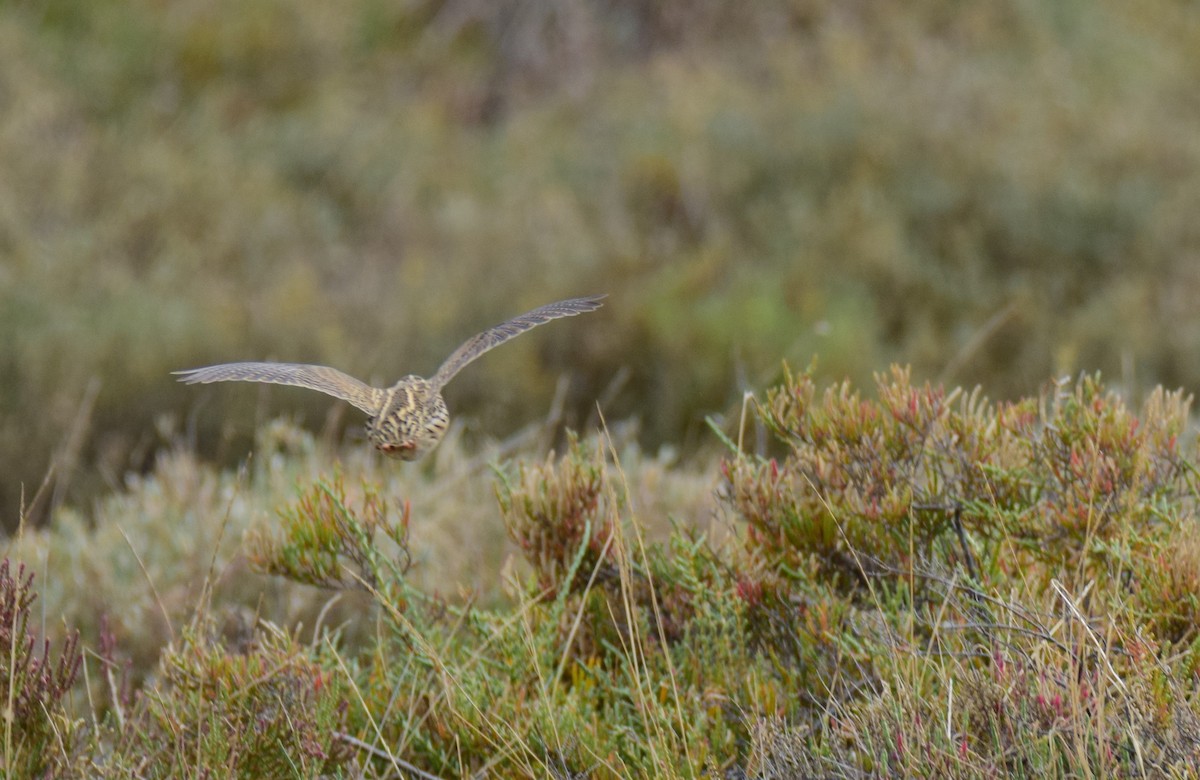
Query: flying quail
(409, 418)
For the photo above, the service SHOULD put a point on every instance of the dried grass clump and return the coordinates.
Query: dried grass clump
(39, 734)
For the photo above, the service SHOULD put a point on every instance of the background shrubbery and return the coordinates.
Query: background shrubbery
(991, 193)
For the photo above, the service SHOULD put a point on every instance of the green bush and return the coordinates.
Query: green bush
(264, 706)
(905, 582)
(1013, 573)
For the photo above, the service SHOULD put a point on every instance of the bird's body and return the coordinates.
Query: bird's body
(409, 418)
(412, 422)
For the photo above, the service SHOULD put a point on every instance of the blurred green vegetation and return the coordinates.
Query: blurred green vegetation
(989, 191)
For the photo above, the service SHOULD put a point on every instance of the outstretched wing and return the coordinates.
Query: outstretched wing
(494, 337)
(323, 378)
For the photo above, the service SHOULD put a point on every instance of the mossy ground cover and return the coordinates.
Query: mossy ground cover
(903, 581)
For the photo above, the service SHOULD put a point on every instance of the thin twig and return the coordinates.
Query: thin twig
(399, 763)
(1100, 649)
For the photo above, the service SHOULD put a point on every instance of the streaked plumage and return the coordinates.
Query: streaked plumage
(409, 418)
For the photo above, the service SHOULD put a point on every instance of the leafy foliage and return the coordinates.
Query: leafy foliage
(555, 515)
(325, 541)
(266, 707)
(905, 582)
(909, 551)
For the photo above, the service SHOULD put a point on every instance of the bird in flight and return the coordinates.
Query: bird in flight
(408, 419)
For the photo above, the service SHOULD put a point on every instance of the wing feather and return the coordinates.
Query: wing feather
(495, 336)
(322, 378)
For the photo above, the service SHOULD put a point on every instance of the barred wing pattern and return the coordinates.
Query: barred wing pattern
(494, 337)
(322, 378)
